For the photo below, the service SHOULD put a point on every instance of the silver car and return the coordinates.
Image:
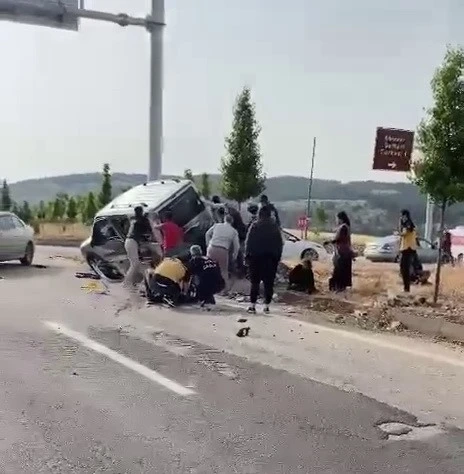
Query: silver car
(387, 249)
(16, 239)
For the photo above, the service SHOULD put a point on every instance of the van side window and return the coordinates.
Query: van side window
(186, 207)
(102, 232)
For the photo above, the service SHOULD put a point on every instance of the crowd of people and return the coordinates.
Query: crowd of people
(235, 249)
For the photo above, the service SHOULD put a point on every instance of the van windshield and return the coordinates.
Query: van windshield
(102, 232)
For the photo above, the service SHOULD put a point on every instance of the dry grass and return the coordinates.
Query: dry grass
(375, 299)
(357, 239)
(63, 231)
(376, 282)
(372, 281)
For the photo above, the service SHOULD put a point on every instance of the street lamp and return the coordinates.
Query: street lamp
(64, 14)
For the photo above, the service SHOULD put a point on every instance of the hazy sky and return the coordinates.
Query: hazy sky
(335, 69)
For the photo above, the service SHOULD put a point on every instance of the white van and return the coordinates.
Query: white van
(104, 250)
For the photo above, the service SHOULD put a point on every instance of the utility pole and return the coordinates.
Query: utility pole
(156, 91)
(428, 231)
(310, 188)
(64, 14)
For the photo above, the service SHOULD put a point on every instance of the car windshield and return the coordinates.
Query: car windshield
(288, 236)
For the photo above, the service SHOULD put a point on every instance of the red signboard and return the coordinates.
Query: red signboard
(303, 222)
(393, 149)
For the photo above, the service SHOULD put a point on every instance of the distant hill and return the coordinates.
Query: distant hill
(378, 214)
(280, 188)
(35, 190)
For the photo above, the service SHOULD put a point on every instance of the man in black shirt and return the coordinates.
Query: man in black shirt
(253, 210)
(263, 250)
(140, 231)
(206, 274)
(264, 202)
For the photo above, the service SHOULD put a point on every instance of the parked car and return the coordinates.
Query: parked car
(387, 249)
(457, 243)
(104, 250)
(296, 249)
(16, 239)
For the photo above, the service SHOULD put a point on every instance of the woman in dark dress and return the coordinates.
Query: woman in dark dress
(343, 256)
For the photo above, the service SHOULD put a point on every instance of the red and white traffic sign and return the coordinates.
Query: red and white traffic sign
(303, 222)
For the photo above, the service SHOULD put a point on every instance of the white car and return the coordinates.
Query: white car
(296, 249)
(16, 239)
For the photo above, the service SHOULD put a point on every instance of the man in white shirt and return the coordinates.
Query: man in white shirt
(222, 240)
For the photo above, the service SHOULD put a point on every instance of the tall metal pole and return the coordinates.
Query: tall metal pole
(428, 219)
(311, 174)
(156, 91)
(310, 189)
(23, 10)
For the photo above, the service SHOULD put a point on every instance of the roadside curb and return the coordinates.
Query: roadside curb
(58, 243)
(435, 327)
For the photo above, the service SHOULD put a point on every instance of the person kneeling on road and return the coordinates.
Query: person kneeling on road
(206, 276)
(165, 282)
(301, 277)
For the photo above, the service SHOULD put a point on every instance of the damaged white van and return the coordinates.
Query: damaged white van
(104, 250)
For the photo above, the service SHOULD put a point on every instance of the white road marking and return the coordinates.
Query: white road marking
(120, 359)
(377, 341)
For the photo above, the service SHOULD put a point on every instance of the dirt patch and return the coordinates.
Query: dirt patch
(376, 298)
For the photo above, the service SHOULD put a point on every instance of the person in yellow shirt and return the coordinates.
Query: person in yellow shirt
(164, 283)
(408, 245)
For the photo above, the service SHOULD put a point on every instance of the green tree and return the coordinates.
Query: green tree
(59, 208)
(241, 167)
(25, 213)
(49, 209)
(440, 139)
(71, 210)
(188, 174)
(90, 208)
(80, 205)
(205, 189)
(6, 203)
(64, 197)
(14, 208)
(106, 192)
(321, 217)
(41, 211)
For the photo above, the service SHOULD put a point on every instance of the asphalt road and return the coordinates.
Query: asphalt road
(96, 383)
